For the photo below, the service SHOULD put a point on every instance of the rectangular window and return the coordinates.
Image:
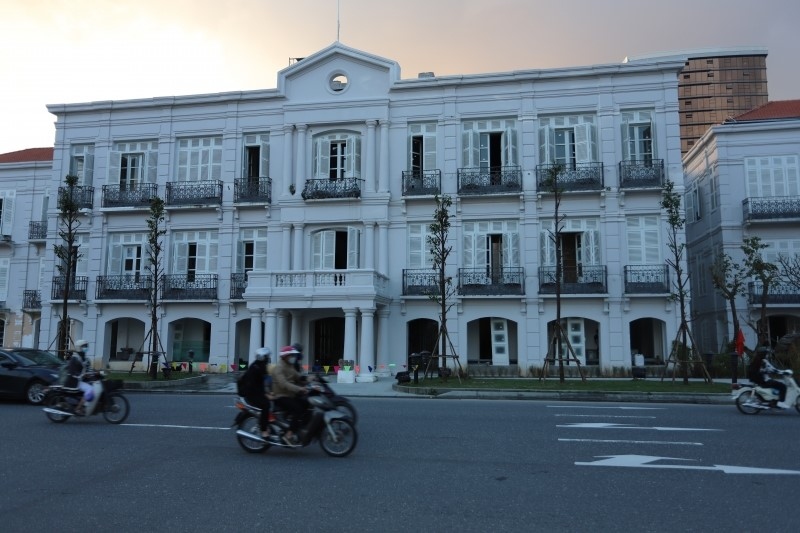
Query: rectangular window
(256, 156)
(199, 159)
(419, 251)
(127, 254)
(82, 163)
(338, 160)
(568, 140)
(422, 148)
(489, 144)
(252, 250)
(131, 163)
(7, 201)
(195, 252)
(772, 176)
(644, 243)
(337, 156)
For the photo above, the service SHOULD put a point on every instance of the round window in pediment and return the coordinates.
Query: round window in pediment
(338, 82)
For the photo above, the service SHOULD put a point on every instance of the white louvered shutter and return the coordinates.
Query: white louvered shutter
(115, 258)
(429, 151)
(7, 222)
(264, 157)
(181, 260)
(353, 248)
(510, 147)
(5, 264)
(547, 145)
(152, 167)
(583, 143)
(416, 246)
(626, 140)
(114, 163)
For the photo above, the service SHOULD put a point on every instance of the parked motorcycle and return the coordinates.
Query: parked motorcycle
(341, 403)
(61, 401)
(333, 429)
(752, 399)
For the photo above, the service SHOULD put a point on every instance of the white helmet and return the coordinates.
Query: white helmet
(263, 354)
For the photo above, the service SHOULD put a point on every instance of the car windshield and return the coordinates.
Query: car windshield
(36, 357)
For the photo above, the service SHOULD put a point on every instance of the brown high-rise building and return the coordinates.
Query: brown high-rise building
(716, 84)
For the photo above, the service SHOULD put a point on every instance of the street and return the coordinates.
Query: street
(420, 464)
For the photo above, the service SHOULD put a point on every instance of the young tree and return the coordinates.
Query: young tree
(155, 267)
(551, 184)
(729, 279)
(790, 269)
(440, 251)
(767, 274)
(67, 254)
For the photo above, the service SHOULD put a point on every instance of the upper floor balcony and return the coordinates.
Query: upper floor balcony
(31, 300)
(580, 177)
(646, 279)
(77, 288)
(252, 190)
(124, 287)
(420, 281)
(284, 287)
(238, 285)
(79, 196)
(189, 286)
(129, 195)
(771, 208)
(326, 189)
(581, 279)
(37, 230)
(489, 180)
(780, 292)
(641, 174)
(194, 193)
(491, 282)
(422, 182)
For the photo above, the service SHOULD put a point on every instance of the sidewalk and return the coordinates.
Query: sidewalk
(388, 388)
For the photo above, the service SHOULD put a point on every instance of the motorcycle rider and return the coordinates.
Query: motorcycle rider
(759, 373)
(289, 391)
(254, 390)
(76, 367)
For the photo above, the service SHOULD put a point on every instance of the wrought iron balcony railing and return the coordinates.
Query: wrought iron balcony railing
(31, 299)
(779, 293)
(646, 279)
(420, 282)
(487, 180)
(194, 192)
(491, 282)
(77, 289)
(583, 279)
(238, 285)
(37, 231)
(189, 286)
(323, 189)
(422, 182)
(583, 177)
(771, 208)
(125, 287)
(79, 196)
(641, 174)
(257, 190)
(130, 195)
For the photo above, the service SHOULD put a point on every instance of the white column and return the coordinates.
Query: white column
(270, 337)
(367, 359)
(350, 335)
(283, 186)
(297, 252)
(369, 245)
(369, 161)
(255, 334)
(383, 344)
(383, 248)
(383, 173)
(300, 177)
(286, 246)
(282, 329)
(296, 332)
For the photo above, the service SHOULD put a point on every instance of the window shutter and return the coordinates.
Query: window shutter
(635, 241)
(88, 170)
(689, 197)
(429, 150)
(469, 253)
(415, 246)
(356, 156)
(152, 166)
(653, 142)
(626, 140)
(466, 148)
(548, 249)
(316, 250)
(114, 163)
(353, 247)
(583, 143)
(264, 158)
(7, 222)
(480, 248)
(201, 259)
(240, 256)
(547, 146)
(475, 143)
(4, 266)
(115, 259)
(591, 247)
(82, 265)
(511, 250)
(324, 158)
(652, 246)
(213, 254)
(510, 147)
(260, 252)
(328, 250)
(181, 261)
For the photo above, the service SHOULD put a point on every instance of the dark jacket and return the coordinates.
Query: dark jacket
(74, 370)
(251, 384)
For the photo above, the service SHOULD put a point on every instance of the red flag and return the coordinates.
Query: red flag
(740, 343)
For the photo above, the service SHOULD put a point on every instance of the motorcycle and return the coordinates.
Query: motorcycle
(341, 403)
(333, 429)
(752, 399)
(61, 402)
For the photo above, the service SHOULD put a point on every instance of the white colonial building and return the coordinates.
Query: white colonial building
(743, 180)
(301, 213)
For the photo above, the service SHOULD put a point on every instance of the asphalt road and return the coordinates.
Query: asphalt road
(420, 465)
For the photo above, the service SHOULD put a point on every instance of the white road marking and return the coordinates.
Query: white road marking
(605, 425)
(607, 407)
(644, 461)
(172, 426)
(604, 416)
(634, 441)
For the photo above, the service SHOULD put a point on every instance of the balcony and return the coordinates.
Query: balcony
(646, 279)
(582, 279)
(336, 288)
(254, 190)
(489, 282)
(79, 196)
(422, 183)
(326, 189)
(130, 195)
(77, 289)
(194, 193)
(31, 300)
(583, 177)
(489, 180)
(37, 231)
(779, 293)
(771, 208)
(189, 286)
(641, 174)
(125, 287)
(420, 282)
(238, 285)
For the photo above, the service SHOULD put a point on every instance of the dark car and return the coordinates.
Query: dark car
(25, 373)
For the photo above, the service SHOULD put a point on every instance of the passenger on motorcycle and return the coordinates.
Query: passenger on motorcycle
(289, 391)
(253, 389)
(759, 373)
(76, 367)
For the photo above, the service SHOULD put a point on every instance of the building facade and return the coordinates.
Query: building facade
(743, 180)
(302, 213)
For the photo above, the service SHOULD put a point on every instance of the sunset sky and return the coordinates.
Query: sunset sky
(66, 51)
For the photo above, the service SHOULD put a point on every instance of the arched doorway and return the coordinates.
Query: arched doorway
(492, 341)
(328, 341)
(126, 336)
(189, 335)
(584, 338)
(647, 338)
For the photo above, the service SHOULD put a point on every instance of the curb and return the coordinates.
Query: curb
(158, 385)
